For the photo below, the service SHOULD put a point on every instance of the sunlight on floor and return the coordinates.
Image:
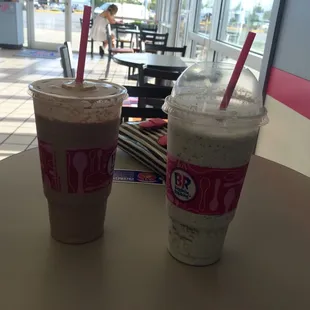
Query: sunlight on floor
(17, 123)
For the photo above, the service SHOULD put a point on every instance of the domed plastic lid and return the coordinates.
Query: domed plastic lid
(200, 89)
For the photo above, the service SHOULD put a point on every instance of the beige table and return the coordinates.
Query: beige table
(265, 263)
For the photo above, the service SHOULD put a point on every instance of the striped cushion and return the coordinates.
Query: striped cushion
(143, 146)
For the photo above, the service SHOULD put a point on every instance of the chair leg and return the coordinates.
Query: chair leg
(108, 66)
(129, 69)
(142, 104)
(131, 41)
(101, 51)
(137, 41)
(92, 47)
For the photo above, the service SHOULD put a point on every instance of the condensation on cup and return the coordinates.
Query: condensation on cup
(208, 154)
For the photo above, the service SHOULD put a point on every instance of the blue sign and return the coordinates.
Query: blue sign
(134, 176)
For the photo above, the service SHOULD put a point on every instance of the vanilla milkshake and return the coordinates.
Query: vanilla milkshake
(208, 155)
(77, 127)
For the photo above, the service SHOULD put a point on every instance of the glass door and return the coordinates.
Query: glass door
(76, 18)
(184, 15)
(48, 23)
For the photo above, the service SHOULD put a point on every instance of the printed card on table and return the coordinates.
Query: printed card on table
(133, 176)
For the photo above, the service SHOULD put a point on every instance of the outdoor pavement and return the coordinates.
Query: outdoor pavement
(49, 26)
(17, 123)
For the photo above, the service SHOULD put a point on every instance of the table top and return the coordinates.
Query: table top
(265, 263)
(134, 31)
(163, 62)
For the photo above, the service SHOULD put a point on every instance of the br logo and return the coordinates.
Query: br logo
(183, 185)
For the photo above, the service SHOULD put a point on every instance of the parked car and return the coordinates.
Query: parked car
(62, 8)
(100, 9)
(36, 5)
(78, 7)
(55, 7)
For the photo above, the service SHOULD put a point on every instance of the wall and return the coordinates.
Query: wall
(286, 139)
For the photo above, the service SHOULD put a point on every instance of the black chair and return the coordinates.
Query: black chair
(114, 50)
(162, 77)
(89, 39)
(154, 38)
(123, 37)
(130, 25)
(147, 47)
(141, 145)
(160, 39)
(69, 47)
(124, 25)
(148, 98)
(148, 27)
(68, 71)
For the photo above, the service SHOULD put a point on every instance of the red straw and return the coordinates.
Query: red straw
(237, 71)
(83, 45)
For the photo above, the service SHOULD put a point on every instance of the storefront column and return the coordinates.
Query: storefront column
(174, 22)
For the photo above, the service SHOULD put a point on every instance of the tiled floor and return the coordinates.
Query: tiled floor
(17, 124)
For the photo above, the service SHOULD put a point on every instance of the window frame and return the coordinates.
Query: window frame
(211, 41)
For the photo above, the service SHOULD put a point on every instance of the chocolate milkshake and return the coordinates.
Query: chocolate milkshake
(77, 133)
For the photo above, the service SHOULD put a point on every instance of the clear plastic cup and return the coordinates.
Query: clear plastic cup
(77, 127)
(208, 153)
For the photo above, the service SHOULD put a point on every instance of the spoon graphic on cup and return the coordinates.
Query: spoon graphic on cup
(80, 162)
(214, 202)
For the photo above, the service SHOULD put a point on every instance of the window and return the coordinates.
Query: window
(204, 16)
(241, 16)
(183, 22)
(220, 26)
(222, 58)
(201, 52)
(167, 16)
(128, 10)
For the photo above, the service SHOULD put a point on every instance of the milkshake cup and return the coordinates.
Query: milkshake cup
(77, 128)
(208, 154)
